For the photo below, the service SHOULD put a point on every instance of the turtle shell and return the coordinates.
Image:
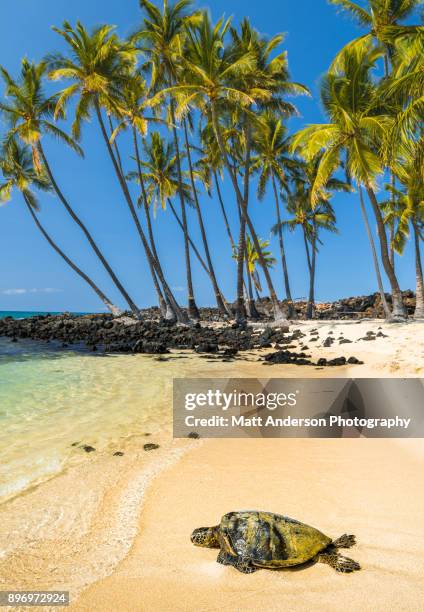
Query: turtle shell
(270, 540)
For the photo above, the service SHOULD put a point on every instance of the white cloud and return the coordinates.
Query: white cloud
(178, 289)
(14, 291)
(34, 290)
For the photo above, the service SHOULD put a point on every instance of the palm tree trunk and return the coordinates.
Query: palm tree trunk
(253, 313)
(392, 227)
(227, 224)
(278, 313)
(292, 312)
(218, 294)
(192, 307)
(193, 246)
(224, 213)
(392, 248)
(113, 309)
(87, 234)
(311, 260)
(240, 314)
(374, 255)
(419, 305)
(310, 309)
(164, 305)
(398, 306)
(178, 312)
(115, 146)
(305, 242)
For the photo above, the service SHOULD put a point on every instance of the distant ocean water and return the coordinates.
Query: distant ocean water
(24, 314)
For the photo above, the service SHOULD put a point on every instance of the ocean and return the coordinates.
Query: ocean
(23, 314)
(54, 400)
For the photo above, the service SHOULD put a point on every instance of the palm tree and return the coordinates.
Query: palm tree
(359, 127)
(30, 114)
(370, 236)
(99, 65)
(223, 309)
(16, 165)
(408, 209)
(271, 78)
(131, 113)
(405, 87)
(211, 72)
(274, 165)
(210, 167)
(311, 216)
(382, 19)
(252, 259)
(159, 174)
(162, 37)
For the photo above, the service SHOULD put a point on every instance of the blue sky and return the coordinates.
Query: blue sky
(33, 277)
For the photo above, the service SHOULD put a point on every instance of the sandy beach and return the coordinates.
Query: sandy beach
(365, 487)
(115, 531)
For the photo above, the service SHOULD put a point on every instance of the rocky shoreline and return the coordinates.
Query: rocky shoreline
(214, 337)
(223, 341)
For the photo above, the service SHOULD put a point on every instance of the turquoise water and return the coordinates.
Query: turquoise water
(51, 398)
(24, 314)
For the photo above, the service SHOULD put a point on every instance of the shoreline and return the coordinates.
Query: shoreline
(89, 524)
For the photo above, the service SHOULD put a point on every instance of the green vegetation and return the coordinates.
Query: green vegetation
(204, 102)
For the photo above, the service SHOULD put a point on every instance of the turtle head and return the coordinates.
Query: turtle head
(206, 537)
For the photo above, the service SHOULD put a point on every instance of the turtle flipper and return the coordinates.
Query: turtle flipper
(243, 566)
(225, 559)
(341, 564)
(345, 541)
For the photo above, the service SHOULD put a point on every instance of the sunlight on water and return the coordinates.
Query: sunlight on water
(50, 399)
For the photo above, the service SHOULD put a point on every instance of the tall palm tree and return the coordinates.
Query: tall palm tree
(270, 75)
(357, 130)
(161, 37)
(30, 112)
(16, 165)
(408, 209)
(223, 309)
(211, 71)
(274, 165)
(210, 170)
(158, 168)
(131, 107)
(99, 64)
(311, 216)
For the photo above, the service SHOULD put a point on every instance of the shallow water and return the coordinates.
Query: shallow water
(51, 398)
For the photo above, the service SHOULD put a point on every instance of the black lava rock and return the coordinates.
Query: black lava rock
(338, 361)
(207, 348)
(354, 361)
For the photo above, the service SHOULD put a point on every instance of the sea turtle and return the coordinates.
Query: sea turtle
(251, 540)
